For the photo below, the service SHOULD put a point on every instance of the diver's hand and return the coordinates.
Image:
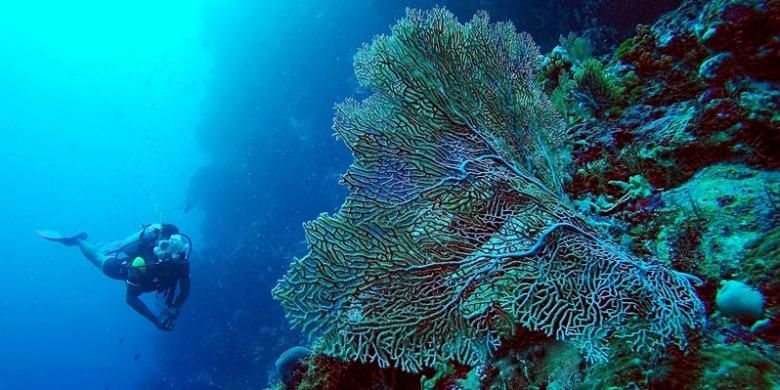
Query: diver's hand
(164, 324)
(168, 318)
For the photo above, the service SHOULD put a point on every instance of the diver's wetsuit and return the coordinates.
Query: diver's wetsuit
(155, 275)
(118, 265)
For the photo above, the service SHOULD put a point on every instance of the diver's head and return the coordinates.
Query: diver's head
(172, 248)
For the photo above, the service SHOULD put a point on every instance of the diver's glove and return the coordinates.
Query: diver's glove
(164, 324)
(168, 317)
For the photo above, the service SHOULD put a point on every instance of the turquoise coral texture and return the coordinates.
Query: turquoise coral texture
(456, 230)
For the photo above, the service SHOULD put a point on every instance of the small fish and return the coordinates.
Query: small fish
(137, 356)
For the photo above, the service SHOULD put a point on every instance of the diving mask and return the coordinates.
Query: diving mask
(173, 248)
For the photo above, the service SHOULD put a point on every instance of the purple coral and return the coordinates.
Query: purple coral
(456, 230)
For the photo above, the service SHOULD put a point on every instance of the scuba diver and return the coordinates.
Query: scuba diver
(154, 259)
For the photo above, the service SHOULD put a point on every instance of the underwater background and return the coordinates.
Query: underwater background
(218, 116)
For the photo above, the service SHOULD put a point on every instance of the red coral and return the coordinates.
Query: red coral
(326, 373)
(719, 115)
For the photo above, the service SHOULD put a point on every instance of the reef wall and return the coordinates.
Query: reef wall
(458, 256)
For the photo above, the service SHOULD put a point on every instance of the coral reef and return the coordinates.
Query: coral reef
(456, 230)
(698, 123)
(707, 225)
(326, 373)
(458, 261)
(289, 366)
(701, 86)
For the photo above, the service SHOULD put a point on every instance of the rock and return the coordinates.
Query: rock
(289, 365)
(717, 68)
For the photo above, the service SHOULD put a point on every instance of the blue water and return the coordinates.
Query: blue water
(209, 114)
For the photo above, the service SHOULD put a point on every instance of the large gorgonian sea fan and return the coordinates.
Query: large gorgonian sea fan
(456, 229)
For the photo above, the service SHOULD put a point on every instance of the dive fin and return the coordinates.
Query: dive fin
(55, 236)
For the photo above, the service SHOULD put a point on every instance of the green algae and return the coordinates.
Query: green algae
(736, 366)
(442, 369)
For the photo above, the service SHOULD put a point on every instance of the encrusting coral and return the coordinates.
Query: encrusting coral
(456, 230)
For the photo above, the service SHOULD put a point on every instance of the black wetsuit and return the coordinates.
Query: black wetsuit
(157, 275)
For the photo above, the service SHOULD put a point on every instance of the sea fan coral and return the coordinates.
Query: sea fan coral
(456, 230)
